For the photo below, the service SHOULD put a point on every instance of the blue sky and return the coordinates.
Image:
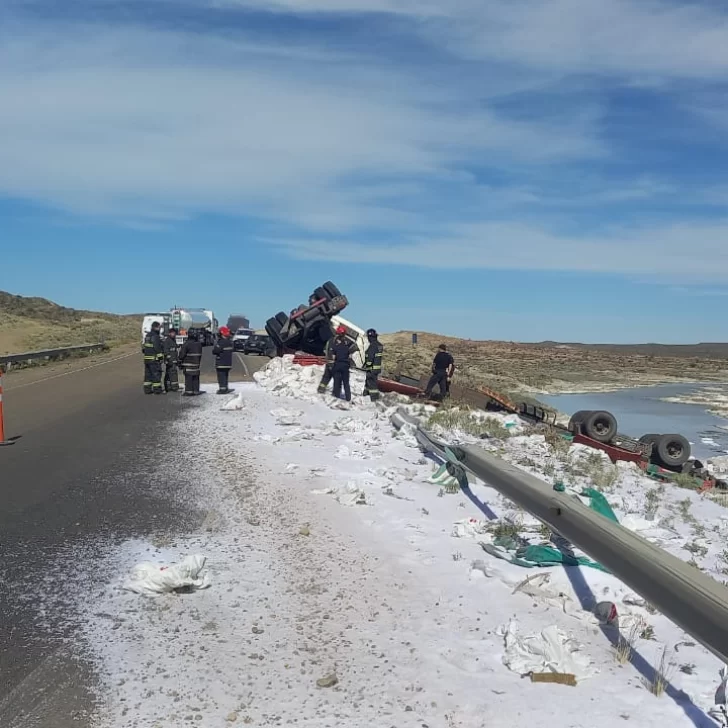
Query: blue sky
(505, 169)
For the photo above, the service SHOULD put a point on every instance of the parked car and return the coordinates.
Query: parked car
(240, 337)
(257, 344)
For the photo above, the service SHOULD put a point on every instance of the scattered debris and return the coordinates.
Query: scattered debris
(559, 678)
(328, 681)
(551, 650)
(188, 575)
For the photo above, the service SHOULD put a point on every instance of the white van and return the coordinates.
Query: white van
(150, 318)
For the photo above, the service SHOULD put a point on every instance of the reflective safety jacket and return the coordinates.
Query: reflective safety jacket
(190, 356)
(152, 347)
(169, 346)
(223, 352)
(373, 357)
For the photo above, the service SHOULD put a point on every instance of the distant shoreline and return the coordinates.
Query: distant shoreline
(569, 388)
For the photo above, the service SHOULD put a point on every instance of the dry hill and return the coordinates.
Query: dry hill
(29, 323)
(551, 367)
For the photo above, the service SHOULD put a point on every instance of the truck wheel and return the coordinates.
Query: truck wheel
(600, 426)
(339, 303)
(281, 318)
(651, 439)
(576, 421)
(673, 450)
(331, 289)
(273, 329)
(320, 293)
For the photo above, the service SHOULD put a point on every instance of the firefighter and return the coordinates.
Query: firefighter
(328, 374)
(341, 366)
(190, 358)
(373, 365)
(328, 366)
(171, 373)
(223, 353)
(153, 357)
(443, 366)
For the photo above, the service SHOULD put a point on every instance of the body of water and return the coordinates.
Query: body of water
(641, 410)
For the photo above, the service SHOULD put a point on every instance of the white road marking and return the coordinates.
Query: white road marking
(245, 366)
(75, 371)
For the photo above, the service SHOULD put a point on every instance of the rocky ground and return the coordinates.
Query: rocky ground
(554, 368)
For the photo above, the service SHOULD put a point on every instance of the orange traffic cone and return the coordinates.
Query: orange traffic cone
(3, 441)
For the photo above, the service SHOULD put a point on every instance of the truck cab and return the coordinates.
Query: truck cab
(357, 336)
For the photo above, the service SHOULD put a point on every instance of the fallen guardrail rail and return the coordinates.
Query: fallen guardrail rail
(8, 360)
(692, 600)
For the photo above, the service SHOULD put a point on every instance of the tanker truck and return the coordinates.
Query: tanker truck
(200, 320)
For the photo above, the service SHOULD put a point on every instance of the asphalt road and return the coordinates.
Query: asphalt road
(81, 473)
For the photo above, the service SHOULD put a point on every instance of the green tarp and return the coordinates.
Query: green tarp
(531, 555)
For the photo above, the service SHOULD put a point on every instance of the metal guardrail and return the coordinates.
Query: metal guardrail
(692, 600)
(7, 360)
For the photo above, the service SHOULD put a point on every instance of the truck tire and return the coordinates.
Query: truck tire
(651, 439)
(320, 293)
(331, 289)
(673, 450)
(273, 329)
(576, 421)
(600, 426)
(310, 315)
(337, 304)
(281, 318)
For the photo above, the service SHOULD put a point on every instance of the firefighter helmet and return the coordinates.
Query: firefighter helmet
(372, 333)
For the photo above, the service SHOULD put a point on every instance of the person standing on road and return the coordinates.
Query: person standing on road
(153, 357)
(443, 367)
(341, 367)
(171, 374)
(373, 365)
(190, 358)
(223, 353)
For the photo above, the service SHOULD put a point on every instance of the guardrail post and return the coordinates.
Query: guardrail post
(3, 441)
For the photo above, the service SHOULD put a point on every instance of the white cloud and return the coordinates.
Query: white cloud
(151, 126)
(418, 8)
(137, 122)
(691, 253)
(641, 39)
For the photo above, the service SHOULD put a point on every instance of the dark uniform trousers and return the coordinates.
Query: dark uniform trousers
(328, 374)
(223, 352)
(190, 356)
(373, 368)
(341, 375)
(439, 378)
(171, 368)
(153, 356)
(326, 377)
(341, 350)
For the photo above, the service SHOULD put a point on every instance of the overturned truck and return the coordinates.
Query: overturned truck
(308, 328)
